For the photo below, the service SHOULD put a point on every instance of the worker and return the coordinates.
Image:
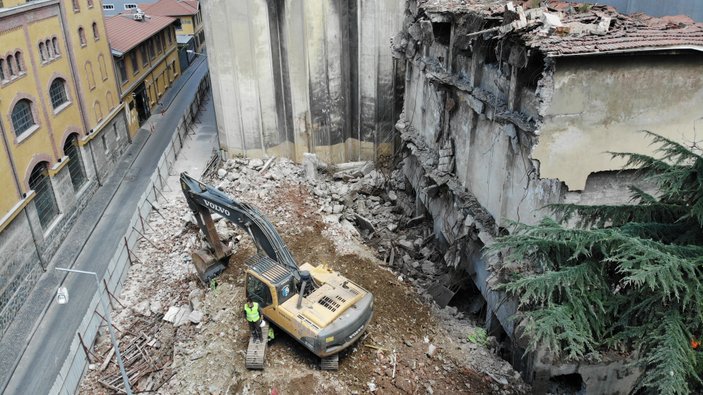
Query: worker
(251, 310)
(696, 344)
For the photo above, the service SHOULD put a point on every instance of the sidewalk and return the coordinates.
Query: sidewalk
(36, 344)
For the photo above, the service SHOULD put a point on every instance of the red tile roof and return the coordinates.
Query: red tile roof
(171, 7)
(124, 33)
(625, 33)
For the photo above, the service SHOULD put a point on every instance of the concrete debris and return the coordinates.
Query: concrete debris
(221, 173)
(195, 316)
(363, 212)
(177, 315)
(142, 308)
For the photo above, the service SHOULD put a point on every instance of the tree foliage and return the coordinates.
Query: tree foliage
(622, 277)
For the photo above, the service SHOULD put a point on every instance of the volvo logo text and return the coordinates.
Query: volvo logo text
(216, 207)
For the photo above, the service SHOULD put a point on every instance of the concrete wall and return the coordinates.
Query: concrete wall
(303, 76)
(492, 133)
(599, 104)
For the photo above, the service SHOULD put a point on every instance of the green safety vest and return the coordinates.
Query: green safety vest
(252, 313)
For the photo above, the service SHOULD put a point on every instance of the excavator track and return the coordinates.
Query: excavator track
(256, 352)
(330, 363)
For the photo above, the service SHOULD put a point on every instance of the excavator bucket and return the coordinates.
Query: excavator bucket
(207, 265)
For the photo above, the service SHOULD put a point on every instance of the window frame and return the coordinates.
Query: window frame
(64, 94)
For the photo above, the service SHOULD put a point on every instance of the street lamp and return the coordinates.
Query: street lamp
(190, 51)
(62, 298)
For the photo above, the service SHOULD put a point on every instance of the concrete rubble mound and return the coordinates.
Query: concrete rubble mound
(354, 217)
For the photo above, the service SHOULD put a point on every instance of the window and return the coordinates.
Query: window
(130, 6)
(98, 111)
(42, 52)
(45, 202)
(135, 63)
(2, 69)
(178, 24)
(57, 92)
(89, 75)
(167, 33)
(49, 49)
(145, 58)
(81, 36)
(110, 101)
(75, 162)
(20, 62)
(159, 43)
(150, 46)
(116, 132)
(55, 44)
(90, 3)
(76, 7)
(103, 69)
(96, 34)
(22, 118)
(123, 70)
(108, 7)
(258, 291)
(10, 65)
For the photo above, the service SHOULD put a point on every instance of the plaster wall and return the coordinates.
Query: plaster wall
(292, 77)
(600, 103)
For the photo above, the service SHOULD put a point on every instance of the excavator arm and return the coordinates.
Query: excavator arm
(204, 200)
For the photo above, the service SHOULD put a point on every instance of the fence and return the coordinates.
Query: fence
(76, 362)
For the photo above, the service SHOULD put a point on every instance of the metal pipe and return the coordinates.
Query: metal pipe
(300, 295)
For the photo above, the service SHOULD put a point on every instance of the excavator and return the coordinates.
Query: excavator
(315, 305)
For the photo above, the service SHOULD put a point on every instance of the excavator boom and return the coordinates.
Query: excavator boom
(203, 199)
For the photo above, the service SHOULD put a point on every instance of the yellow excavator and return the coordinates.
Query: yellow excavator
(320, 308)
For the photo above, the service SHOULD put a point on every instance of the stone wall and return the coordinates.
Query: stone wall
(291, 77)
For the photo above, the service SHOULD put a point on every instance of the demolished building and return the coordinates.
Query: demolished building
(508, 109)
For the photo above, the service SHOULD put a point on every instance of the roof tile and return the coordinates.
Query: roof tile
(124, 33)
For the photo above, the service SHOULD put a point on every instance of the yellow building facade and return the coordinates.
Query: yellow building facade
(189, 18)
(146, 60)
(62, 125)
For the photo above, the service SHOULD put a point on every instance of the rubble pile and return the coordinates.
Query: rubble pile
(353, 217)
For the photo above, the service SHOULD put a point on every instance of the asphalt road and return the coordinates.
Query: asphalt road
(37, 343)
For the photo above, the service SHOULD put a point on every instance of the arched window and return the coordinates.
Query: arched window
(89, 75)
(101, 64)
(22, 118)
(96, 34)
(81, 36)
(10, 65)
(57, 92)
(42, 52)
(55, 44)
(45, 202)
(76, 6)
(75, 162)
(20, 61)
(110, 101)
(2, 69)
(49, 49)
(90, 3)
(98, 111)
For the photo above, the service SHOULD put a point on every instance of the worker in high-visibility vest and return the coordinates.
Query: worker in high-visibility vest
(251, 310)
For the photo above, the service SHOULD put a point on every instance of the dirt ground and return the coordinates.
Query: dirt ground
(411, 347)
